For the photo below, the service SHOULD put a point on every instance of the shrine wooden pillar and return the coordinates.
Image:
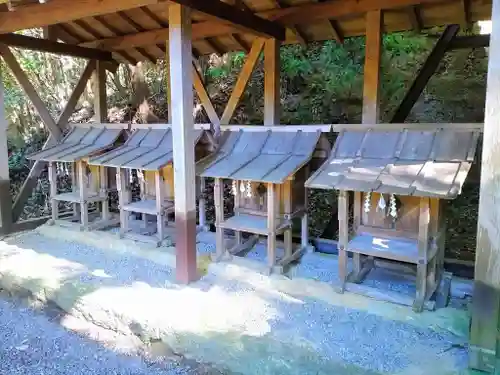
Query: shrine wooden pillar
(272, 103)
(483, 349)
(371, 91)
(5, 198)
(181, 79)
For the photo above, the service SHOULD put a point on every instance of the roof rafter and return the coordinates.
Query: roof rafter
(45, 45)
(240, 19)
(331, 9)
(60, 11)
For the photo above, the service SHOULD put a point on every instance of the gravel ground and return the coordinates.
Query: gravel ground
(32, 343)
(234, 324)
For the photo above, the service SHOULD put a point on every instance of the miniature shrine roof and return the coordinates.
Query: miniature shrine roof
(149, 148)
(263, 153)
(429, 162)
(82, 141)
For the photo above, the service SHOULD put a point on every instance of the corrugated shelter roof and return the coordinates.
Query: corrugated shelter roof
(407, 162)
(81, 142)
(148, 148)
(262, 153)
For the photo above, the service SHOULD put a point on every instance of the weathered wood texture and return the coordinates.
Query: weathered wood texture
(483, 351)
(426, 72)
(272, 100)
(274, 155)
(181, 76)
(373, 50)
(430, 163)
(42, 45)
(5, 199)
(39, 166)
(268, 166)
(244, 20)
(306, 20)
(242, 81)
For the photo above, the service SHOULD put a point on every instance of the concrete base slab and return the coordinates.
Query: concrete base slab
(233, 317)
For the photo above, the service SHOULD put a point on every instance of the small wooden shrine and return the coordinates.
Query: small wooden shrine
(268, 166)
(89, 184)
(149, 152)
(400, 178)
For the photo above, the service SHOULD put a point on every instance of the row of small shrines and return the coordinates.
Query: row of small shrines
(399, 179)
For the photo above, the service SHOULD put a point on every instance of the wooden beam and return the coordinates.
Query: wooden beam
(82, 24)
(483, 343)
(5, 198)
(337, 33)
(298, 34)
(242, 20)
(424, 75)
(200, 30)
(44, 45)
(373, 49)
(332, 9)
(243, 78)
(30, 91)
(205, 99)
(181, 77)
(473, 41)
(100, 97)
(415, 18)
(467, 21)
(114, 30)
(38, 167)
(60, 11)
(272, 82)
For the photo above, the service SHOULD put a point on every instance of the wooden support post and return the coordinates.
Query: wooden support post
(205, 100)
(160, 198)
(287, 199)
(99, 88)
(220, 246)
(483, 343)
(202, 205)
(74, 188)
(53, 191)
(272, 82)
(5, 199)
(426, 72)
(243, 78)
(168, 82)
(237, 202)
(371, 88)
(123, 198)
(84, 206)
(304, 225)
(272, 217)
(357, 222)
(181, 76)
(423, 254)
(343, 212)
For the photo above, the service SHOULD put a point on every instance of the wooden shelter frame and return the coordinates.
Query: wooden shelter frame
(196, 27)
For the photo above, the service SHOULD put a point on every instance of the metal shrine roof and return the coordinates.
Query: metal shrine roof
(263, 153)
(407, 162)
(82, 141)
(149, 148)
